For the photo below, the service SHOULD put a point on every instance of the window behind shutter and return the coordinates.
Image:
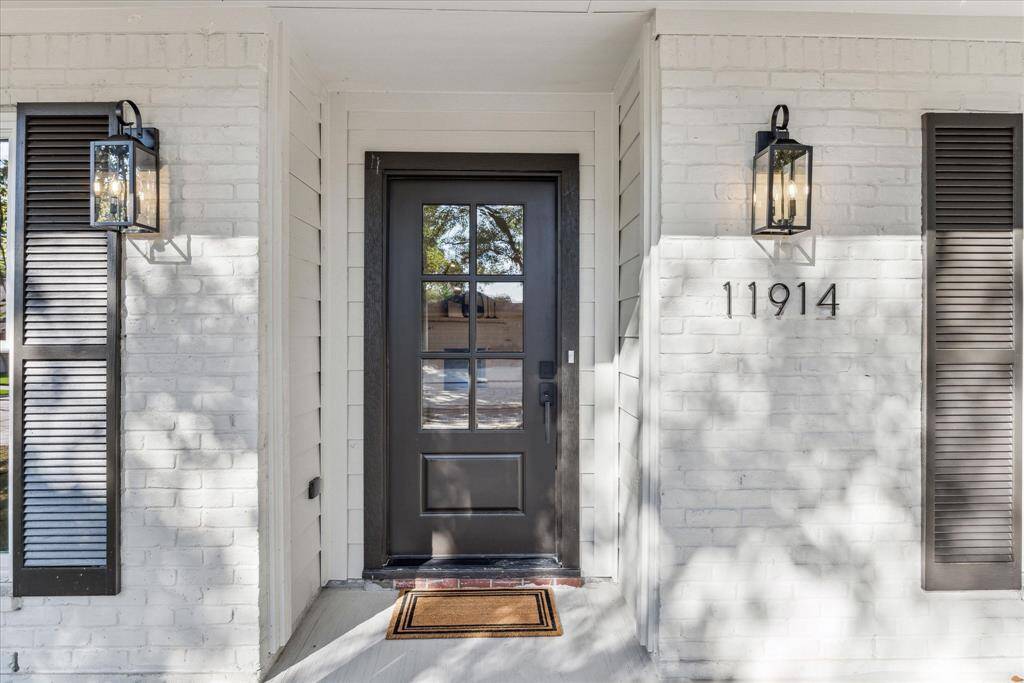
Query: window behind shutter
(65, 409)
(972, 213)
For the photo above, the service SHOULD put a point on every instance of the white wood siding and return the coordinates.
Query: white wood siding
(303, 236)
(439, 122)
(630, 262)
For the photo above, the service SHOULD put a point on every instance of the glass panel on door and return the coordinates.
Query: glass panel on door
(445, 239)
(499, 316)
(499, 239)
(484, 244)
(499, 393)
(444, 393)
(445, 317)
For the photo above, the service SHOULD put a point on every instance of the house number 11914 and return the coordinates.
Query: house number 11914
(778, 296)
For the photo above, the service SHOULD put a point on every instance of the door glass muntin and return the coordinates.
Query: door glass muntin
(507, 262)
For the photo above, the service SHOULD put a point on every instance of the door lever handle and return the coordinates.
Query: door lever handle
(547, 399)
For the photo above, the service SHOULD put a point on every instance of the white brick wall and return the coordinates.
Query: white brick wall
(790, 448)
(189, 510)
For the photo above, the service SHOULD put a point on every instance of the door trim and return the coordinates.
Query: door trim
(380, 168)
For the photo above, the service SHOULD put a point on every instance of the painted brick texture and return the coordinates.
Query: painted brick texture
(791, 447)
(190, 561)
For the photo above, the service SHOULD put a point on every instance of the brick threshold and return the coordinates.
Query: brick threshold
(441, 582)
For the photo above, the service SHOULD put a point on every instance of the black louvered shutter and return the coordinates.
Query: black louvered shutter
(65, 481)
(972, 214)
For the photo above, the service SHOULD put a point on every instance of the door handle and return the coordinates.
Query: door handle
(547, 399)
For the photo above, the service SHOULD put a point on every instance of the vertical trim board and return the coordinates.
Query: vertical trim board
(305, 319)
(335, 343)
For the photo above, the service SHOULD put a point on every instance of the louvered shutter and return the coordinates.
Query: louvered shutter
(972, 213)
(65, 470)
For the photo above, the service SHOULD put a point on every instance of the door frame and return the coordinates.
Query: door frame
(380, 168)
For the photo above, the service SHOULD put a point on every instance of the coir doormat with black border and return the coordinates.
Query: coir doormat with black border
(475, 613)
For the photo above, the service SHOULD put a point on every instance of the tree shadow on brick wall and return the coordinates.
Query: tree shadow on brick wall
(787, 553)
(790, 492)
(189, 456)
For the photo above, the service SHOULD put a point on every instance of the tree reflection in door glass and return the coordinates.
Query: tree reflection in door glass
(444, 393)
(499, 239)
(445, 239)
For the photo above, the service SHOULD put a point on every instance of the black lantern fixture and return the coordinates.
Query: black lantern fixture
(782, 181)
(124, 173)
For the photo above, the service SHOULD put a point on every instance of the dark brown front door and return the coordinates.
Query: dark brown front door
(472, 357)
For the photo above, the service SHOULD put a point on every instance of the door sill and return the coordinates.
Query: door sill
(471, 568)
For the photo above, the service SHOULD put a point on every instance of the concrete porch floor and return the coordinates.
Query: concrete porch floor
(341, 638)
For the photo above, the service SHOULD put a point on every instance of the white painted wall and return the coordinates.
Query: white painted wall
(637, 95)
(790, 447)
(583, 124)
(189, 553)
(305, 222)
(632, 252)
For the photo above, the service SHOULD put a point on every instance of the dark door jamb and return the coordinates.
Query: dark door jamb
(380, 167)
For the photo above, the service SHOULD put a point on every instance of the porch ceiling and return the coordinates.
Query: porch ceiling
(465, 51)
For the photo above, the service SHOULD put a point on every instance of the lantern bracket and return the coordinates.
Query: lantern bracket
(150, 137)
(778, 133)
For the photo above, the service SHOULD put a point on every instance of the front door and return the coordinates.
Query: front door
(472, 361)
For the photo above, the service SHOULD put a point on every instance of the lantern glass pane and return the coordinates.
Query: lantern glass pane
(111, 164)
(790, 187)
(760, 191)
(145, 188)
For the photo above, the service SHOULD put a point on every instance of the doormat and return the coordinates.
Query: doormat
(475, 613)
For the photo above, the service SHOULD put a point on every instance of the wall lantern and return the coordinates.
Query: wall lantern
(123, 171)
(782, 181)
